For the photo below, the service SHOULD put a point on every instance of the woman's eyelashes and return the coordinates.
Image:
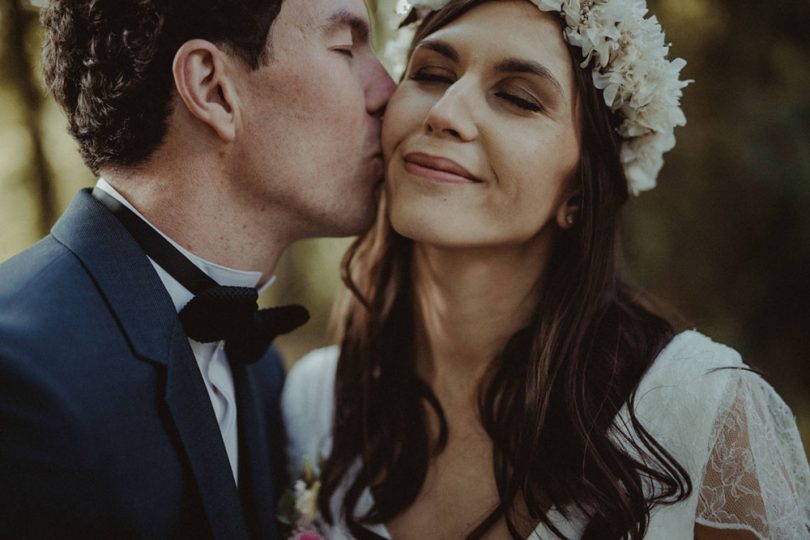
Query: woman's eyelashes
(443, 77)
(520, 102)
(432, 76)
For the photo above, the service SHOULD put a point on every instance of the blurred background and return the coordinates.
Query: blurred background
(724, 240)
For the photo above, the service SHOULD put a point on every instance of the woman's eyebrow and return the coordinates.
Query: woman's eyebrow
(441, 47)
(518, 65)
(508, 65)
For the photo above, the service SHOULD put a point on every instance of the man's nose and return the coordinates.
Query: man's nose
(379, 88)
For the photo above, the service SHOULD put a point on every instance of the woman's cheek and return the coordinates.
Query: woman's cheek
(394, 124)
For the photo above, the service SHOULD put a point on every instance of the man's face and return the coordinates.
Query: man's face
(309, 128)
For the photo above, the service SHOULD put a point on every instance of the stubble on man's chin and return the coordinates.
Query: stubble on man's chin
(364, 211)
(364, 218)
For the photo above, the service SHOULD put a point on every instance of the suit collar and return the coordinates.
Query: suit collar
(123, 274)
(229, 277)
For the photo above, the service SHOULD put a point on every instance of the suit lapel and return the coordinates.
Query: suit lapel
(147, 317)
(193, 415)
(123, 274)
(255, 473)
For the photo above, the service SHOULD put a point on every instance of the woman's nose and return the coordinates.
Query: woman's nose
(452, 115)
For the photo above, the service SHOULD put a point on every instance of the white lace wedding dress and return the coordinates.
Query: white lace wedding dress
(727, 427)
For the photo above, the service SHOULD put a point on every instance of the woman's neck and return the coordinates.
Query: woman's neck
(469, 303)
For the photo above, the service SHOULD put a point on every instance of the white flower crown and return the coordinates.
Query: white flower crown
(628, 53)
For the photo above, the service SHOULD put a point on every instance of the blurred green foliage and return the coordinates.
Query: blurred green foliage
(724, 240)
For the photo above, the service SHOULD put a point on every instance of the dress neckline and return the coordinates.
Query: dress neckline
(575, 523)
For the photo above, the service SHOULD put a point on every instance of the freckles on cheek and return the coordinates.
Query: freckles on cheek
(310, 92)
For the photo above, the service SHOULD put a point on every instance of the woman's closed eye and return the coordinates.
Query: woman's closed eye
(432, 75)
(519, 101)
(441, 76)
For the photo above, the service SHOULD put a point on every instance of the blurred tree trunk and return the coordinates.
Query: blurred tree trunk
(20, 20)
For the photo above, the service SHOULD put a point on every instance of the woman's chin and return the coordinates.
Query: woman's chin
(439, 220)
(424, 228)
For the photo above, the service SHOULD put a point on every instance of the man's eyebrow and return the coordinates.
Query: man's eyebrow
(517, 65)
(345, 18)
(441, 47)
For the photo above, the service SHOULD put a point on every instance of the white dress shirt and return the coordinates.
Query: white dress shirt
(211, 358)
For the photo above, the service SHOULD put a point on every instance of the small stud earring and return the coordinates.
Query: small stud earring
(570, 219)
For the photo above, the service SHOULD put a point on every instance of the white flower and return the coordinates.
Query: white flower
(306, 501)
(548, 5)
(628, 54)
(643, 158)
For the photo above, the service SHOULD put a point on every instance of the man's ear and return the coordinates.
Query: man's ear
(568, 213)
(203, 84)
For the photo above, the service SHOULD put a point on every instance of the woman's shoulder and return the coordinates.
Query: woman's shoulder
(689, 375)
(686, 389)
(690, 355)
(691, 364)
(733, 434)
(307, 404)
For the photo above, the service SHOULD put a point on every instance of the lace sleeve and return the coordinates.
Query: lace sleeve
(757, 477)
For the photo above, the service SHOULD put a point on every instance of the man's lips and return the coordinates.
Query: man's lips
(438, 168)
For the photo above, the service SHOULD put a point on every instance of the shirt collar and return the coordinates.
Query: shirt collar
(223, 275)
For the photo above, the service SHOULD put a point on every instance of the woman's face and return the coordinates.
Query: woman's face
(481, 139)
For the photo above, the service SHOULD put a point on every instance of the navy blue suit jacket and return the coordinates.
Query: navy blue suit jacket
(106, 428)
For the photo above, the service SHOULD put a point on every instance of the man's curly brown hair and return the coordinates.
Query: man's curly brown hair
(108, 64)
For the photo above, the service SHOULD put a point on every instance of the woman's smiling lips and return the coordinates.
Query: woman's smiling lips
(438, 169)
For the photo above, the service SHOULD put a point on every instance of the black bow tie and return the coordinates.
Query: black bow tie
(216, 312)
(232, 314)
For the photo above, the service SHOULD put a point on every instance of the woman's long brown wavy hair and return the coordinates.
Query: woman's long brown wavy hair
(550, 399)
